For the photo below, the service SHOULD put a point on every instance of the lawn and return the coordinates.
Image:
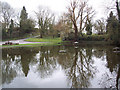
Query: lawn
(51, 40)
(30, 45)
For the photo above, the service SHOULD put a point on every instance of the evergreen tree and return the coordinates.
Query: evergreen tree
(23, 20)
(24, 14)
(113, 29)
(88, 26)
(89, 29)
(11, 28)
(26, 25)
(30, 25)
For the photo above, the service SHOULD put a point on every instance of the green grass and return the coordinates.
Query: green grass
(30, 45)
(52, 40)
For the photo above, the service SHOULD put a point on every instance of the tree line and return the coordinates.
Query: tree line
(21, 25)
(75, 24)
(12, 24)
(81, 15)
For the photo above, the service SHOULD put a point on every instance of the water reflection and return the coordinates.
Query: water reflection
(81, 66)
(45, 62)
(0, 69)
(112, 79)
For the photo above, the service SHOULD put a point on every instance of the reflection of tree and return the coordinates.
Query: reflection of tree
(8, 72)
(13, 60)
(46, 61)
(112, 59)
(89, 53)
(18, 60)
(80, 69)
(0, 68)
(83, 68)
(77, 63)
(113, 63)
(117, 79)
(99, 52)
(26, 57)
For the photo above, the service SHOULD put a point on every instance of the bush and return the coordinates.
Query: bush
(87, 38)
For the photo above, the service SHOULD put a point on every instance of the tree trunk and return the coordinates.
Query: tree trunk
(118, 11)
(40, 34)
(81, 16)
(76, 32)
(53, 36)
(117, 79)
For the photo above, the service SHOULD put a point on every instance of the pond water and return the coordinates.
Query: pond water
(46, 67)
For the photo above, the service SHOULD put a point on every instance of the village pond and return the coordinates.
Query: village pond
(47, 67)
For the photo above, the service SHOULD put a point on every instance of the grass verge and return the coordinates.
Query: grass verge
(30, 45)
(54, 40)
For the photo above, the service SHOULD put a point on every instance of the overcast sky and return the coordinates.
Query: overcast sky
(57, 6)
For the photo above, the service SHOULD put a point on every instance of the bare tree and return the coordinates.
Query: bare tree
(100, 26)
(64, 25)
(0, 22)
(72, 9)
(78, 12)
(88, 21)
(118, 9)
(0, 9)
(113, 5)
(44, 18)
(7, 13)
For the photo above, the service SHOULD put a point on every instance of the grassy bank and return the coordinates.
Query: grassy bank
(51, 40)
(30, 45)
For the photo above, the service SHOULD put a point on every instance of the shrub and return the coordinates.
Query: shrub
(87, 38)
